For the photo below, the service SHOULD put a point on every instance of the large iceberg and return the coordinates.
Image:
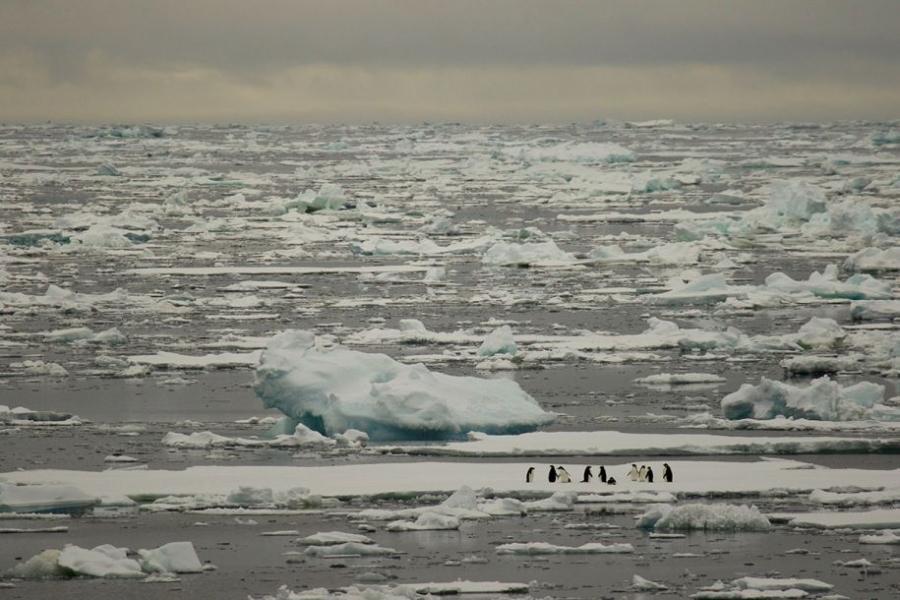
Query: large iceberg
(823, 399)
(332, 390)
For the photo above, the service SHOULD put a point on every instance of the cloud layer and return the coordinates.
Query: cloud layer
(267, 60)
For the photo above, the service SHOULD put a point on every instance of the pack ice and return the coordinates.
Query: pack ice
(332, 390)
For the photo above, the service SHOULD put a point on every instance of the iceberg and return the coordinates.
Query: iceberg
(823, 399)
(333, 390)
(499, 341)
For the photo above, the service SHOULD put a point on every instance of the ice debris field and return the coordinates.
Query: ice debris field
(317, 362)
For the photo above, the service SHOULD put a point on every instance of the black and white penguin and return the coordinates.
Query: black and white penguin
(648, 476)
(587, 474)
(552, 476)
(642, 473)
(667, 473)
(602, 474)
(634, 474)
(611, 481)
(564, 476)
(529, 476)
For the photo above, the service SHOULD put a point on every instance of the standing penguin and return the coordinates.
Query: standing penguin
(642, 473)
(552, 476)
(601, 474)
(587, 474)
(667, 473)
(529, 476)
(648, 476)
(564, 476)
(633, 474)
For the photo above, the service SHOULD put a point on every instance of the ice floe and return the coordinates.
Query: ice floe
(332, 390)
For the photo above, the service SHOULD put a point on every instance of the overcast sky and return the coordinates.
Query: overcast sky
(484, 61)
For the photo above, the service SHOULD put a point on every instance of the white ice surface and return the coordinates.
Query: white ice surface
(697, 477)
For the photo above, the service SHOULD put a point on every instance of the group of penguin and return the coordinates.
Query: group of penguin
(559, 474)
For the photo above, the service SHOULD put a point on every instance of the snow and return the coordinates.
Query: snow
(538, 548)
(823, 399)
(332, 390)
(704, 517)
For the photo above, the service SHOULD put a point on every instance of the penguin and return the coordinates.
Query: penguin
(564, 476)
(642, 473)
(633, 473)
(648, 476)
(667, 473)
(529, 476)
(601, 474)
(552, 476)
(611, 481)
(587, 474)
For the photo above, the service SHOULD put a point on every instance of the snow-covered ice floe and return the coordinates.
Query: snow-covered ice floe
(332, 390)
(881, 518)
(611, 443)
(762, 588)
(538, 548)
(693, 477)
(406, 591)
(39, 498)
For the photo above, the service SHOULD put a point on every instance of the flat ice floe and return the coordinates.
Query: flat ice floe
(333, 390)
(693, 477)
(704, 517)
(611, 443)
(540, 548)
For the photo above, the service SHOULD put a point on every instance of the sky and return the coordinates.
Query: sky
(448, 60)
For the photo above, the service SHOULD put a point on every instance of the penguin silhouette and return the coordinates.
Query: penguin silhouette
(667, 473)
(648, 476)
(611, 481)
(552, 476)
(587, 474)
(564, 476)
(633, 474)
(602, 474)
(529, 476)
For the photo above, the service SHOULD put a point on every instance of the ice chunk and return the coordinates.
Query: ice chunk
(873, 259)
(704, 517)
(44, 565)
(827, 285)
(641, 584)
(885, 537)
(823, 399)
(174, 557)
(338, 389)
(425, 521)
(499, 341)
(350, 549)
(586, 152)
(537, 548)
(537, 253)
(102, 561)
(668, 379)
(329, 538)
(39, 498)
